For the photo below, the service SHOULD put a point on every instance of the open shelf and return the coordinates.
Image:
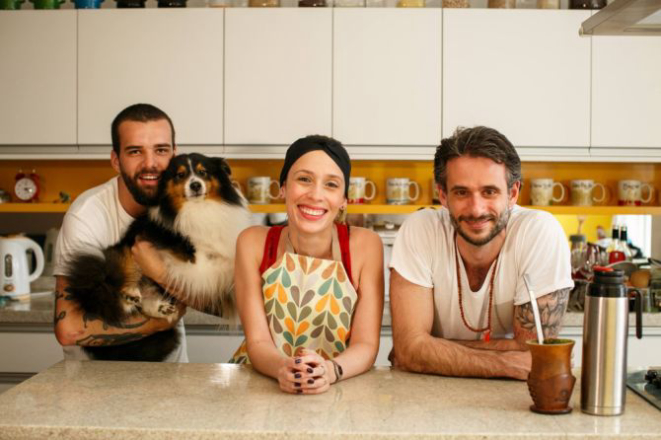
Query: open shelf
(369, 209)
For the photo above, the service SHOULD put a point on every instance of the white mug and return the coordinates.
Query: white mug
(582, 192)
(398, 191)
(357, 190)
(630, 192)
(541, 192)
(259, 190)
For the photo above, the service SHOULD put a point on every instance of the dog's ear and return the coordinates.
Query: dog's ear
(222, 165)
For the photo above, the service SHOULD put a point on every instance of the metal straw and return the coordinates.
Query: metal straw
(535, 310)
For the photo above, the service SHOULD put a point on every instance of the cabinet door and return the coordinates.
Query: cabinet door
(170, 58)
(525, 73)
(38, 77)
(626, 92)
(387, 76)
(278, 75)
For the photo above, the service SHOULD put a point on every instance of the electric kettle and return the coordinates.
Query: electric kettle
(15, 276)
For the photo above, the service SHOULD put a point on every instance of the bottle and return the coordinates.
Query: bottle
(615, 253)
(605, 331)
(579, 254)
(624, 243)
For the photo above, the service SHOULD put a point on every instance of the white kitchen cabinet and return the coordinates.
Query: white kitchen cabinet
(38, 77)
(525, 73)
(626, 92)
(387, 76)
(170, 58)
(277, 74)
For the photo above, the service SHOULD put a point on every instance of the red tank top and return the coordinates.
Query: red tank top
(273, 238)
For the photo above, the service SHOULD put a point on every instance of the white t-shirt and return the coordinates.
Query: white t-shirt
(95, 221)
(424, 254)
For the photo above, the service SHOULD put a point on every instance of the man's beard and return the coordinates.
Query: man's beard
(140, 195)
(501, 223)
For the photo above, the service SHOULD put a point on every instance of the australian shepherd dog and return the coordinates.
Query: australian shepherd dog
(194, 226)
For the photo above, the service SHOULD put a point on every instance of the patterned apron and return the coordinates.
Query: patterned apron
(309, 303)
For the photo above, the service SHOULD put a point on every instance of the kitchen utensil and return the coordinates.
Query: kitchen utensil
(15, 277)
(550, 381)
(535, 310)
(647, 384)
(605, 331)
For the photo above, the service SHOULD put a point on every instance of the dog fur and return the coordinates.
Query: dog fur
(194, 227)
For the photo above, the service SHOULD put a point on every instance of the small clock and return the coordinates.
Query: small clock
(26, 188)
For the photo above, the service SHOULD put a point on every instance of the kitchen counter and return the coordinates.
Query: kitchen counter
(105, 400)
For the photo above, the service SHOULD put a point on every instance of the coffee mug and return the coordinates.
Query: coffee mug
(630, 192)
(259, 190)
(357, 190)
(582, 192)
(541, 192)
(398, 191)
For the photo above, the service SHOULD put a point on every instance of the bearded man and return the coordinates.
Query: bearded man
(143, 144)
(459, 303)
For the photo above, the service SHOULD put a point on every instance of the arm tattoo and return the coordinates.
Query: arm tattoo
(551, 310)
(103, 340)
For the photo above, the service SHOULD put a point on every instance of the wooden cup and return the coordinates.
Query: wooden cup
(550, 381)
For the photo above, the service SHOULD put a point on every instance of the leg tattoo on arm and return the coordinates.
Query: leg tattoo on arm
(552, 308)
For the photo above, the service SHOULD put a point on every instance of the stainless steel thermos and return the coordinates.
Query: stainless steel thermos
(605, 331)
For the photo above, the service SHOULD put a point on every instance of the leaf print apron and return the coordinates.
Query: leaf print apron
(309, 303)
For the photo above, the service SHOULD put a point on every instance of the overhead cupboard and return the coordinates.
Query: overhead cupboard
(236, 79)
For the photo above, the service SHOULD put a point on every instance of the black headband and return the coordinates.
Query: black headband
(330, 146)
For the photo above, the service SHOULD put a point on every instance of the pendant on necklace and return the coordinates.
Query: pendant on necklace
(486, 337)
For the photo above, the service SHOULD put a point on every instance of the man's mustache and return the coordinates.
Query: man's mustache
(464, 218)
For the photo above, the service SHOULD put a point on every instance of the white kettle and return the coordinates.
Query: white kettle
(15, 277)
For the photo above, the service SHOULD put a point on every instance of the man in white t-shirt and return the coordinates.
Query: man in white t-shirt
(459, 303)
(143, 144)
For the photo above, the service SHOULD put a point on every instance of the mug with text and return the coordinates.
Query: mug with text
(358, 190)
(398, 191)
(582, 192)
(630, 192)
(541, 192)
(259, 190)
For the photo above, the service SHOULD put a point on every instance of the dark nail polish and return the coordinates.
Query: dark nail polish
(297, 385)
(297, 376)
(310, 381)
(310, 370)
(298, 361)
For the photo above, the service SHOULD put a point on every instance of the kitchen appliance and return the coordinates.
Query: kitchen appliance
(647, 384)
(15, 276)
(625, 17)
(605, 331)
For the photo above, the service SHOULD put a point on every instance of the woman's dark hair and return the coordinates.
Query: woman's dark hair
(137, 113)
(477, 142)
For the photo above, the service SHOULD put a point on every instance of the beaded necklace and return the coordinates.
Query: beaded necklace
(486, 330)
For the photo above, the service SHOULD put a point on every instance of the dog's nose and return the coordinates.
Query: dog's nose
(196, 186)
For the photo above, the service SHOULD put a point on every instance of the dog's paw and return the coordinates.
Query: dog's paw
(159, 307)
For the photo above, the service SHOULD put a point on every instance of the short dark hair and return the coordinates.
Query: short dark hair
(477, 142)
(137, 113)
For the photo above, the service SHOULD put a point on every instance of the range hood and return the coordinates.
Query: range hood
(625, 17)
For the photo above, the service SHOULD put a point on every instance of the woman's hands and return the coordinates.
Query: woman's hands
(307, 373)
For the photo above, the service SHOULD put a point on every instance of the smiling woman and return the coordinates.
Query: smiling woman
(310, 294)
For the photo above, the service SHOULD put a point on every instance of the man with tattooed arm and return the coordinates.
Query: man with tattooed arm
(143, 144)
(459, 304)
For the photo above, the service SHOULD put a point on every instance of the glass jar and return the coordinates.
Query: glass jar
(504, 4)
(587, 4)
(264, 3)
(411, 4)
(456, 4)
(312, 4)
(349, 3)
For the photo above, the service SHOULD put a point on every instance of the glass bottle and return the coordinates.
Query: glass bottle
(579, 255)
(615, 253)
(624, 243)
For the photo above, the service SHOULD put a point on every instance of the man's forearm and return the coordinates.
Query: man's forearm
(74, 327)
(433, 355)
(494, 344)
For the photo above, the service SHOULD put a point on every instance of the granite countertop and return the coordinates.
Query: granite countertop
(38, 309)
(105, 400)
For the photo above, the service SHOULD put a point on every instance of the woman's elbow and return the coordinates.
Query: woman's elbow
(65, 333)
